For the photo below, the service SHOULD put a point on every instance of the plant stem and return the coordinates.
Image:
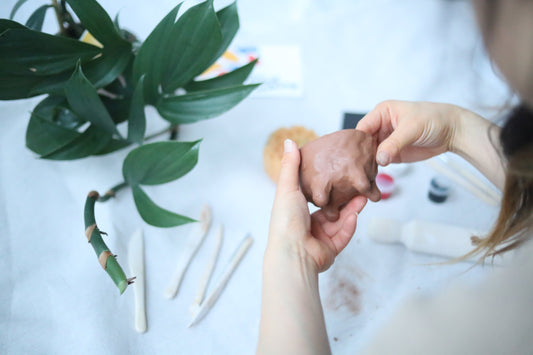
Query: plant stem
(173, 133)
(59, 17)
(112, 191)
(94, 235)
(157, 134)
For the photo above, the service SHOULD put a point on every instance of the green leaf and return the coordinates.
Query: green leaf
(116, 23)
(44, 137)
(14, 87)
(160, 162)
(46, 131)
(101, 71)
(118, 109)
(137, 118)
(32, 53)
(8, 24)
(64, 116)
(155, 215)
(35, 22)
(52, 59)
(93, 140)
(113, 146)
(201, 105)
(195, 39)
(86, 103)
(148, 59)
(114, 60)
(228, 18)
(233, 78)
(96, 20)
(17, 5)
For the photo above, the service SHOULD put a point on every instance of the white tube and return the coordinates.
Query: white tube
(438, 239)
(427, 237)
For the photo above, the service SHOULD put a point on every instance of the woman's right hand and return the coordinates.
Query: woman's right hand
(411, 131)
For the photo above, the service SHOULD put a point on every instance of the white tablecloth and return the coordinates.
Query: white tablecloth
(55, 298)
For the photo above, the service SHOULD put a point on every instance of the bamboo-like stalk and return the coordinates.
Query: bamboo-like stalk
(94, 235)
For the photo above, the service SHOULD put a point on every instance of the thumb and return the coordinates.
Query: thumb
(389, 150)
(289, 175)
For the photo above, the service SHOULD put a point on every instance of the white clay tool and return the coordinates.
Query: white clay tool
(426, 237)
(469, 176)
(208, 271)
(217, 290)
(194, 242)
(136, 261)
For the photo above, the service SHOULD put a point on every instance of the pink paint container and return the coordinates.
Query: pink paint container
(385, 184)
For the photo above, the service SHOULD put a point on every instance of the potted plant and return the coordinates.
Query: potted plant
(96, 92)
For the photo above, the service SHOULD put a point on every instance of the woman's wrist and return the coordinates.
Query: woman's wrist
(292, 319)
(461, 120)
(477, 141)
(289, 256)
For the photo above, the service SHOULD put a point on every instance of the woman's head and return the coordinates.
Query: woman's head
(507, 28)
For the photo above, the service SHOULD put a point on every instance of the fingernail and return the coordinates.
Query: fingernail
(383, 158)
(288, 145)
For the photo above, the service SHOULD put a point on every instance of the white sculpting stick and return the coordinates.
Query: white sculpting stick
(468, 175)
(194, 242)
(136, 261)
(215, 293)
(208, 271)
(463, 182)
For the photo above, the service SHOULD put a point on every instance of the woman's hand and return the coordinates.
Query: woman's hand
(412, 131)
(295, 232)
(299, 247)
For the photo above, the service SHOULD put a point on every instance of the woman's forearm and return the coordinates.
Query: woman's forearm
(477, 141)
(292, 320)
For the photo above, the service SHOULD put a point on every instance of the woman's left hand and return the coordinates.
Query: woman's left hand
(294, 230)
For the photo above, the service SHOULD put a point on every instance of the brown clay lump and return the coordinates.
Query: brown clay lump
(337, 167)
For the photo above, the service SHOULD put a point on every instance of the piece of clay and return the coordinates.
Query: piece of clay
(337, 167)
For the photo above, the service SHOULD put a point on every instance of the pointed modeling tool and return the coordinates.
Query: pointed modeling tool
(194, 242)
(208, 271)
(215, 293)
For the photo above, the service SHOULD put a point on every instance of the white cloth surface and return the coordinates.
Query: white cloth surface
(55, 297)
(490, 317)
